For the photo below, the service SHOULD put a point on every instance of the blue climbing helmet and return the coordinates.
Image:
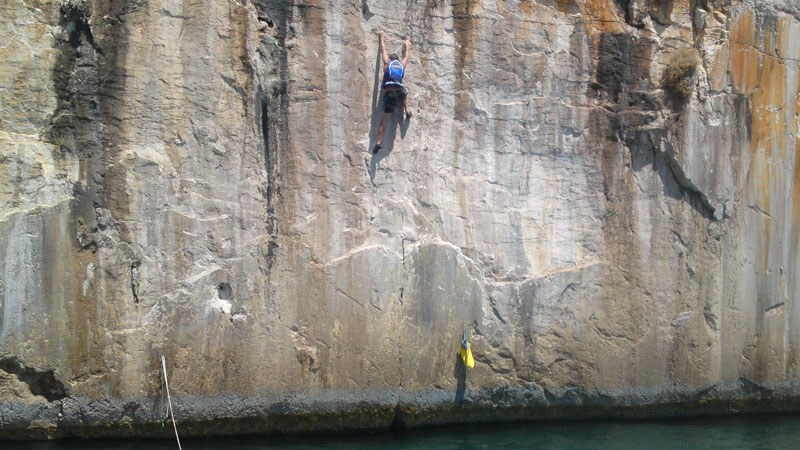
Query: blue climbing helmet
(394, 73)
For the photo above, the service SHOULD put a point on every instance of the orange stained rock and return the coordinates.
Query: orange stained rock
(566, 6)
(522, 28)
(758, 69)
(768, 118)
(744, 56)
(601, 16)
(526, 7)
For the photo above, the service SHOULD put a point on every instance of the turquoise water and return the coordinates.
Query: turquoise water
(771, 432)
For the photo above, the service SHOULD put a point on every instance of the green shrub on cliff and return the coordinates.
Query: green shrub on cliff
(71, 6)
(680, 69)
(73, 16)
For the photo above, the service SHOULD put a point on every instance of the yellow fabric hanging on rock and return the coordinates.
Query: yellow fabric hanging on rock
(466, 355)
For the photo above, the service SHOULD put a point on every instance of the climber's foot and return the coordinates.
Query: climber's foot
(375, 150)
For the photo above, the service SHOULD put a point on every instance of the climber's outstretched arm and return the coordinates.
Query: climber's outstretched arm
(384, 53)
(407, 52)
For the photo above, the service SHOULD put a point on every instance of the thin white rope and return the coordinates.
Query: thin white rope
(166, 383)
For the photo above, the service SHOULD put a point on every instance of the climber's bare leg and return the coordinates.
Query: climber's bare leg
(381, 128)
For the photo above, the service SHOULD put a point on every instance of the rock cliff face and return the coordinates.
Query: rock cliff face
(193, 178)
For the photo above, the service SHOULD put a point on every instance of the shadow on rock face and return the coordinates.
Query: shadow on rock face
(40, 382)
(460, 372)
(389, 137)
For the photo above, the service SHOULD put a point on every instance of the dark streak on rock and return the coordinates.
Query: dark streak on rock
(224, 291)
(135, 280)
(365, 12)
(774, 307)
(624, 5)
(75, 22)
(273, 114)
(464, 24)
(268, 149)
(623, 67)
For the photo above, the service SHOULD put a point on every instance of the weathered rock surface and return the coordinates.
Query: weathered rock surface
(193, 179)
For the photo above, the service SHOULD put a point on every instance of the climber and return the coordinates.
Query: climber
(393, 90)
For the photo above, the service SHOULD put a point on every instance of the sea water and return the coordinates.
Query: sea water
(751, 432)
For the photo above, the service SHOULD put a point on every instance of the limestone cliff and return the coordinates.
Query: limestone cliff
(193, 178)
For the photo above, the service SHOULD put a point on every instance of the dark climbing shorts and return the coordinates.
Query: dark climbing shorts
(392, 97)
